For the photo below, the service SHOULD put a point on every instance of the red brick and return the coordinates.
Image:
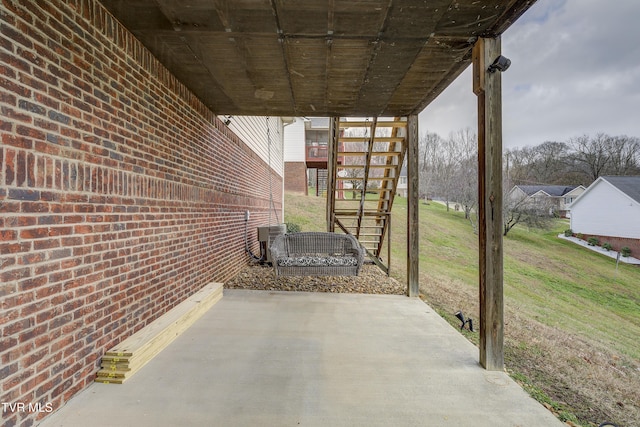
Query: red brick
(15, 140)
(14, 274)
(17, 327)
(15, 116)
(21, 221)
(14, 248)
(6, 235)
(14, 62)
(9, 170)
(16, 88)
(7, 343)
(33, 382)
(32, 258)
(106, 210)
(16, 380)
(31, 309)
(9, 315)
(34, 233)
(42, 244)
(34, 357)
(32, 283)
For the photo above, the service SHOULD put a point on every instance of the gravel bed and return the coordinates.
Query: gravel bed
(370, 281)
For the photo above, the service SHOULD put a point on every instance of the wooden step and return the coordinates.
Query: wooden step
(126, 358)
(367, 139)
(379, 124)
(373, 153)
(370, 166)
(371, 178)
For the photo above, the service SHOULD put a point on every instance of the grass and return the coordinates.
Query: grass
(572, 321)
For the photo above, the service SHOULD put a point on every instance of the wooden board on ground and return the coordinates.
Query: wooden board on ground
(123, 360)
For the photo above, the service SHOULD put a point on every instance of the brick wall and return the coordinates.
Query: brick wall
(295, 177)
(617, 243)
(120, 195)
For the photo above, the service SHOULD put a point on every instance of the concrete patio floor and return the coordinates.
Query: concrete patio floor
(260, 358)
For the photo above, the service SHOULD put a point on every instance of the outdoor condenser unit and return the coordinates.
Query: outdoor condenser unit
(266, 236)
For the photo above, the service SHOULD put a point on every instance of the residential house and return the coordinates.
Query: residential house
(141, 143)
(402, 188)
(122, 195)
(554, 199)
(610, 210)
(305, 154)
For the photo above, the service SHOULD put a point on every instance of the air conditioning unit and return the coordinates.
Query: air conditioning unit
(266, 235)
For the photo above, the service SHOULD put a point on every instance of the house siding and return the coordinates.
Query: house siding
(294, 141)
(120, 196)
(605, 211)
(264, 135)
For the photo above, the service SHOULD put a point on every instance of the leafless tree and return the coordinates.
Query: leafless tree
(455, 150)
(550, 162)
(430, 147)
(464, 188)
(447, 170)
(520, 209)
(546, 163)
(591, 155)
(624, 156)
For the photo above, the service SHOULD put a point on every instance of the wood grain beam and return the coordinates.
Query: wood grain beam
(413, 204)
(487, 87)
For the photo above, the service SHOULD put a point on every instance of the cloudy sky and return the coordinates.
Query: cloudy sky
(575, 70)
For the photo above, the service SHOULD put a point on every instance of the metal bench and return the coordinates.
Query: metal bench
(316, 254)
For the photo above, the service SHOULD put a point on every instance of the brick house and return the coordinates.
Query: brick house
(121, 194)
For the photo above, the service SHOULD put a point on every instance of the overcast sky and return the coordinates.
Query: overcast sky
(575, 70)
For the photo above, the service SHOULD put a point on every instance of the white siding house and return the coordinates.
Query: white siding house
(265, 136)
(554, 199)
(569, 198)
(294, 137)
(609, 207)
(403, 185)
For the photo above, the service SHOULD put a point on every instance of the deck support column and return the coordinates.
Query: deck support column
(487, 86)
(413, 204)
(332, 184)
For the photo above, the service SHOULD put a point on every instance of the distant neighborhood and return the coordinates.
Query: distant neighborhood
(607, 211)
(551, 199)
(594, 181)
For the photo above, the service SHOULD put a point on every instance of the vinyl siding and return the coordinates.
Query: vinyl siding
(606, 211)
(264, 135)
(294, 145)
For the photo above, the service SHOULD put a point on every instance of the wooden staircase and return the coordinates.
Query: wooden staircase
(364, 166)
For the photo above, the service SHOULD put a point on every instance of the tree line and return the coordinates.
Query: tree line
(579, 161)
(449, 170)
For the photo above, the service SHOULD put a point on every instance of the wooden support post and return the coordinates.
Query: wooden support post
(413, 203)
(487, 86)
(332, 183)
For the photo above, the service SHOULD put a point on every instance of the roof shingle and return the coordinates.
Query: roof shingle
(629, 185)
